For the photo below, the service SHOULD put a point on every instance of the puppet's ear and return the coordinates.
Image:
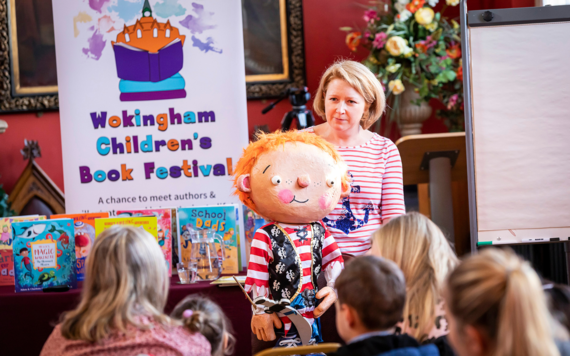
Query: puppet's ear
(345, 190)
(243, 183)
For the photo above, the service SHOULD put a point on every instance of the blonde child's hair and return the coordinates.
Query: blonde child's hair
(267, 142)
(208, 319)
(501, 294)
(422, 252)
(362, 80)
(126, 277)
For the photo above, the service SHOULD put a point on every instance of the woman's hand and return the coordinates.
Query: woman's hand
(329, 296)
(264, 325)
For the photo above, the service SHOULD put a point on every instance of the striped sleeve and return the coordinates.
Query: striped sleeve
(331, 253)
(392, 201)
(258, 267)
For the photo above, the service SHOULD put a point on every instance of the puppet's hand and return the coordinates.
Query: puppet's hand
(263, 326)
(329, 296)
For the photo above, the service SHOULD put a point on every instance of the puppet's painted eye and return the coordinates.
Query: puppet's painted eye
(330, 182)
(276, 180)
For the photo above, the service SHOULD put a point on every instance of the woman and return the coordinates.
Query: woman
(122, 302)
(350, 99)
(422, 252)
(495, 306)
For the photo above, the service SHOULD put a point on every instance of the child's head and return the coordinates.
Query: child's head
(24, 252)
(126, 277)
(5, 228)
(200, 314)
(495, 306)
(371, 296)
(422, 252)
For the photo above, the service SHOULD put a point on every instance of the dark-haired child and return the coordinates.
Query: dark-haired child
(26, 261)
(371, 297)
(200, 314)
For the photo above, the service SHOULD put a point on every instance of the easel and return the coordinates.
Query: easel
(437, 160)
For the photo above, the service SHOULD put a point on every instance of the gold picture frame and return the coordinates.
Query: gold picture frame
(291, 48)
(17, 91)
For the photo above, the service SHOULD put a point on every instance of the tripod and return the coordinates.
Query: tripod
(298, 99)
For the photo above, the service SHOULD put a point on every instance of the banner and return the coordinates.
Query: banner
(152, 102)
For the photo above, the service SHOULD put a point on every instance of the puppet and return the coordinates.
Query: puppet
(293, 179)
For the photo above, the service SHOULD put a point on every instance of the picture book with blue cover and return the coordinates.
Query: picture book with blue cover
(223, 220)
(44, 254)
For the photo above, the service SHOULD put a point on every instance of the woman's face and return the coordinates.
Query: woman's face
(344, 106)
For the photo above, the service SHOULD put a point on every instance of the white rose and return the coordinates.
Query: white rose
(424, 16)
(396, 46)
(403, 16)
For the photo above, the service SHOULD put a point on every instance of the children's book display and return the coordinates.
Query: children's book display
(223, 221)
(6, 243)
(164, 232)
(148, 223)
(84, 225)
(44, 254)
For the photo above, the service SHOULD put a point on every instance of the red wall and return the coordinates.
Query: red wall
(324, 44)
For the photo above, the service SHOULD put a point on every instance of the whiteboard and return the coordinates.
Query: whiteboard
(520, 123)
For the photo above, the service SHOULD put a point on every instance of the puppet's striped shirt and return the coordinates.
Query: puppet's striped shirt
(261, 255)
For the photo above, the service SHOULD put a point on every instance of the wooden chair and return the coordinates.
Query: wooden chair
(300, 350)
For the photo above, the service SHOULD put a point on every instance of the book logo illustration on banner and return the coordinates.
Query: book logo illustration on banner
(149, 57)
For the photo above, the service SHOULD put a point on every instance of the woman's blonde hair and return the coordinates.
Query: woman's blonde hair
(497, 292)
(362, 80)
(208, 319)
(422, 252)
(126, 277)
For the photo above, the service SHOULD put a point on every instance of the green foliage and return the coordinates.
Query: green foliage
(431, 61)
(5, 209)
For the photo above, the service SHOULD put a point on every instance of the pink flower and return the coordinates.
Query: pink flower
(452, 101)
(367, 34)
(380, 40)
(370, 15)
(429, 42)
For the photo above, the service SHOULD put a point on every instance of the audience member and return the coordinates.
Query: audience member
(371, 298)
(423, 254)
(558, 301)
(495, 306)
(122, 302)
(200, 314)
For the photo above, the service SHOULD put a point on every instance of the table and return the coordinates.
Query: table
(27, 319)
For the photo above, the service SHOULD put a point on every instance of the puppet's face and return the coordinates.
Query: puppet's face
(296, 184)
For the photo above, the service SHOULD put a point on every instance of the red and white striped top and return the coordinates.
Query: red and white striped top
(261, 254)
(377, 193)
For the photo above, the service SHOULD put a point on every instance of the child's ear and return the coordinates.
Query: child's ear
(243, 183)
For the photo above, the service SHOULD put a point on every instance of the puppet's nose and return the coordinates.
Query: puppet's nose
(304, 181)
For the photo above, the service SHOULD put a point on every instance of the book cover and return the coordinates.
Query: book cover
(6, 242)
(44, 254)
(148, 223)
(84, 226)
(164, 229)
(251, 221)
(223, 219)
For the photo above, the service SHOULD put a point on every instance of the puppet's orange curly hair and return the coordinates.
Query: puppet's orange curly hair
(271, 142)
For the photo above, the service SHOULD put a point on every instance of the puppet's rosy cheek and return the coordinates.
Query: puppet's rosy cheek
(325, 201)
(286, 196)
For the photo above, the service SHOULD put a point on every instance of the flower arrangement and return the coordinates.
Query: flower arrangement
(412, 47)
